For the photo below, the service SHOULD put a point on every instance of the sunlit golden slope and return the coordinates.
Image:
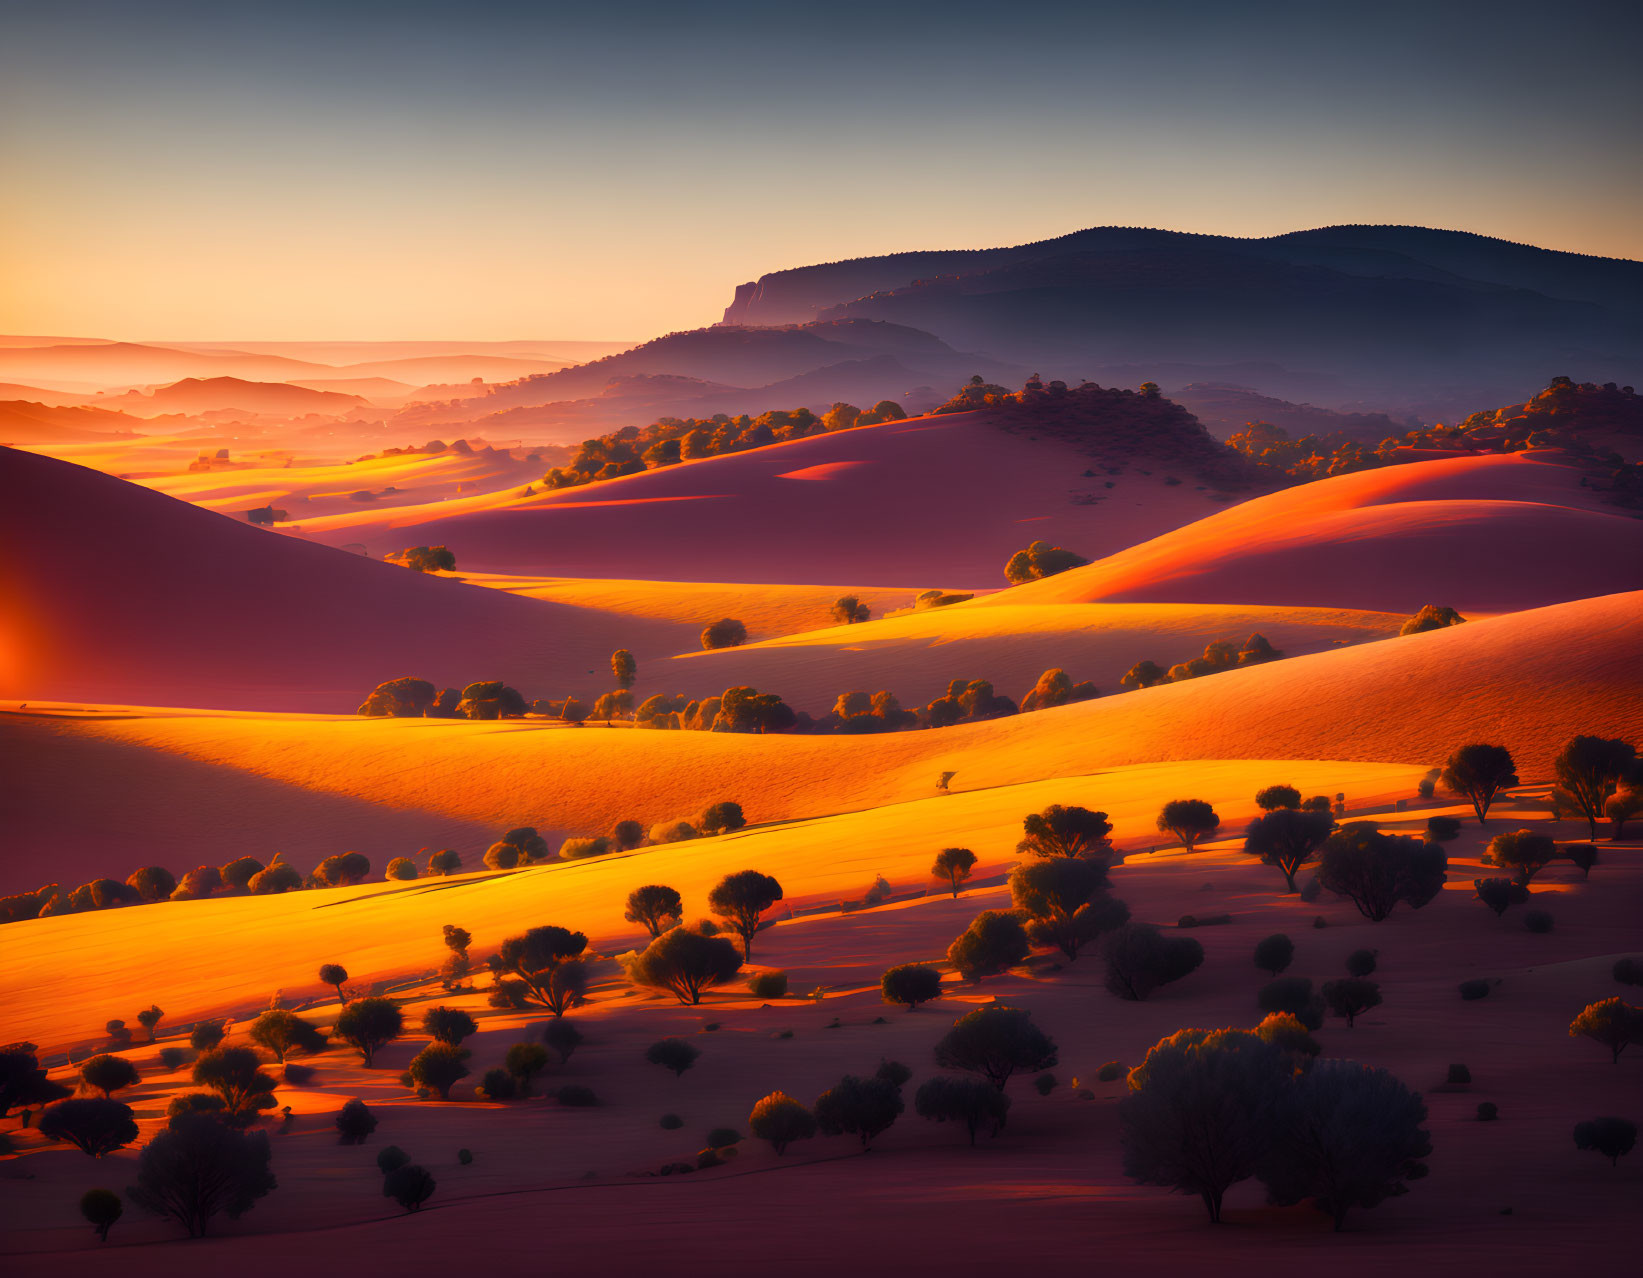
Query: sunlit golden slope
(66, 973)
(1482, 534)
(1528, 680)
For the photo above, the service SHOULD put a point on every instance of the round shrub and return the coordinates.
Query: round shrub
(465, 1157)
(1628, 970)
(576, 1097)
(1488, 1111)
(1538, 921)
(1111, 1072)
(1458, 1076)
(1275, 953)
(723, 1137)
(671, 1122)
(499, 1085)
(768, 985)
(1361, 963)
(391, 1157)
(1311, 890)
(1044, 1084)
(1471, 990)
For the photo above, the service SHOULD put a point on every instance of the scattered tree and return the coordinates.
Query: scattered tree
(1479, 773)
(1498, 894)
(401, 868)
(674, 1054)
(445, 862)
(199, 1167)
(22, 1081)
(861, 1107)
(1610, 1137)
(1612, 1022)
(1275, 953)
(781, 1120)
(1583, 855)
(1588, 771)
(236, 1075)
(354, 1122)
(1361, 963)
(1287, 837)
(390, 1157)
(1376, 871)
(101, 1208)
(152, 883)
(1277, 796)
(624, 668)
(1351, 997)
(740, 899)
(719, 818)
(548, 960)
(448, 1025)
(334, 974)
(425, 559)
(995, 1041)
(1292, 995)
(524, 1062)
(410, 1186)
(1068, 831)
(685, 962)
(1432, 617)
(848, 610)
(281, 1032)
(1524, 852)
(439, 1066)
(911, 984)
(108, 1074)
(206, 1035)
(971, 1101)
(1189, 820)
(369, 1023)
(954, 865)
(93, 1126)
(1040, 560)
(655, 906)
(1140, 958)
(994, 942)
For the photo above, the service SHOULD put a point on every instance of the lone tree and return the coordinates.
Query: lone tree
(685, 963)
(674, 1054)
(740, 899)
(1351, 997)
(334, 974)
(848, 610)
(1498, 894)
(954, 865)
(1345, 1135)
(781, 1120)
(439, 1067)
(1479, 773)
(1588, 771)
(994, 942)
(282, 1032)
(1524, 852)
(1277, 796)
(1067, 831)
(108, 1074)
(1613, 1022)
(994, 1042)
(1376, 871)
(525, 1061)
(1610, 1137)
(656, 907)
(1189, 820)
(548, 960)
(861, 1107)
(724, 633)
(101, 1208)
(1275, 953)
(1200, 1114)
(368, 1023)
(93, 1126)
(719, 818)
(911, 984)
(1140, 958)
(236, 1075)
(1287, 838)
(971, 1101)
(354, 1122)
(624, 668)
(448, 1025)
(198, 1168)
(409, 1185)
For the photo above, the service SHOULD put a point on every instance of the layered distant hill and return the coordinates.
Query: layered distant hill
(1388, 310)
(203, 395)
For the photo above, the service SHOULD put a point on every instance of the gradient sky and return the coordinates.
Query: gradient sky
(488, 171)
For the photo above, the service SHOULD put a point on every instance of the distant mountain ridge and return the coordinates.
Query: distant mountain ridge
(1385, 310)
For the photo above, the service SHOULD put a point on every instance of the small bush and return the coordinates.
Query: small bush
(672, 1053)
(1628, 970)
(1111, 1072)
(911, 984)
(1611, 1137)
(1458, 1076)
(173, 1058)
(723, 1137)
(725, 633)
(1044, 1084)
(768, 985)
(563, 1037)
(1320, 922)
(575, 1096)
(1361, 963)
(671, 1122)
(1140, 958)
(1274, 953)
(994, 942)
(1203, 920)
(1293, 994)
(390, 1157)
(410, 1186)
(499, 1085)
(101, 1208)
(1311, 890)
(1441, 829)
(1488, 1111)
(1473, 990)
(1538, 921)
(355, 1122)
(781, 1120)
(465, 1157)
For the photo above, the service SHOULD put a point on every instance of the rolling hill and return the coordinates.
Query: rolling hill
(213, 394)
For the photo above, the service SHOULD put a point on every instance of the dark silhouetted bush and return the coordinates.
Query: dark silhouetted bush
(1111, 1071)
(354, 1122)
(1539, 921)
(725, 633)
(391, 1157)
(862, 1107)
(368, 1023)
(439, 1067)
(1442, 829)
(448, 1025)
(1432, 617)
(1040, 560)
(1458, 1076)
(655, 906)
(1190, 820)
(719, 818)
(685, 962)
(93, 1126)
(524, 1062)
(198, 1168)
(277, 878)
(1474, 989)
(1589, 770)
(1277, 796)
(1583, 855)
(672, 1053)
(1286, 1031)
(740, 899)
(1201, 1111)
(1628, 970)
(1488, 1111)
(1293, 994)
(768, 985)
(400, 868)
(195, 1103)
(1361, 963)
(954, 865)
(970, 1101)
(1378, 871)
(1612, 1022)
(22, 1081)
(1499, 894)
(108, 1074)
(206, 1035)
(334, 974)
(1611, 1137)
(575, 1096)
(781, 1120)
(410, 1186)
(1345, 1136)
(563, 1037)
(174, 1058)
(1274, 953)
(498, 1085)
(1140, 958)
(994, 942)
(1351, 997)
(1044, 1084)
(1287, 837)
(1523, 852)
(152, 883)
(236, 1075)
(996, 1041)
(911, 984)
(445, 862)
(101, 1208)
(671, 1122)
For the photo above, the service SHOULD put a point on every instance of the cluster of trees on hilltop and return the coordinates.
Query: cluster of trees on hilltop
(1110, 424)
(671, 440)
(1564, 415)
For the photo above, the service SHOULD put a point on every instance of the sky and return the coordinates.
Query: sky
(492, 171)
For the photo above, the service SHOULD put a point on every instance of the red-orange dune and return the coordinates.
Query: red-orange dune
(942, 499)
(1527, 680)
(1483, 534)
